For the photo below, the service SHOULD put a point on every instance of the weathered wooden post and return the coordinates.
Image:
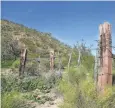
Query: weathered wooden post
(59, 61)
(97, 64)
(69, 60)
(39, 63)
(96, 68)
(51, 59)
(105, 74)
(23, 57)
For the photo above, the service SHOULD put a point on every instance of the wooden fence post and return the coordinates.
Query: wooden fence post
(23, 57)
(52, 60)
(97, 64)
(59, 61)
(105, 74)
(69, 61)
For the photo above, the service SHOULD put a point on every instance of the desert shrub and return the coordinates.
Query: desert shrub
(6, 63)
(69, 91)
(44, 65)
(16, 64)
(107, 100)
(14, 100)
(10, 63)
(78, 89)
(32, 68)
(9, 83)
(37, 96)
(29, 83)
(32, 83)
(65, 61)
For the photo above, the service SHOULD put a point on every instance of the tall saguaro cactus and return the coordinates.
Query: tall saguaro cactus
(105, 74)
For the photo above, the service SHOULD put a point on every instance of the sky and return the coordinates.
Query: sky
(68, 21)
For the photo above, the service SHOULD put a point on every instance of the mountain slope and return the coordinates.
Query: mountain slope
(38, 43)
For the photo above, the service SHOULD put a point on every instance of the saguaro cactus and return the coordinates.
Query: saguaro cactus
(105, 75)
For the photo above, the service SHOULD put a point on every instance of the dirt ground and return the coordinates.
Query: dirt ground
(57, 100)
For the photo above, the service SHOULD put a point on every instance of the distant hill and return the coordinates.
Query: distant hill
(38, 43)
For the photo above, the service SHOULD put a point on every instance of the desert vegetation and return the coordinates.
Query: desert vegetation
(72, 79)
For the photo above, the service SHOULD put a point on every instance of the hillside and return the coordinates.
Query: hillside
(35, 41)
(38, 43)
(72, 87)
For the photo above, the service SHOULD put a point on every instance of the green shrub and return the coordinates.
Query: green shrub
(113, 71)
(9, 83)
(78, 89)
(13, 100)
(29, 83)
(16, 64)
(6, 63)
(32, 68)
(37, 96)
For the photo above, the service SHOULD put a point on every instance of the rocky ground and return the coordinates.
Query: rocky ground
(57, 99)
